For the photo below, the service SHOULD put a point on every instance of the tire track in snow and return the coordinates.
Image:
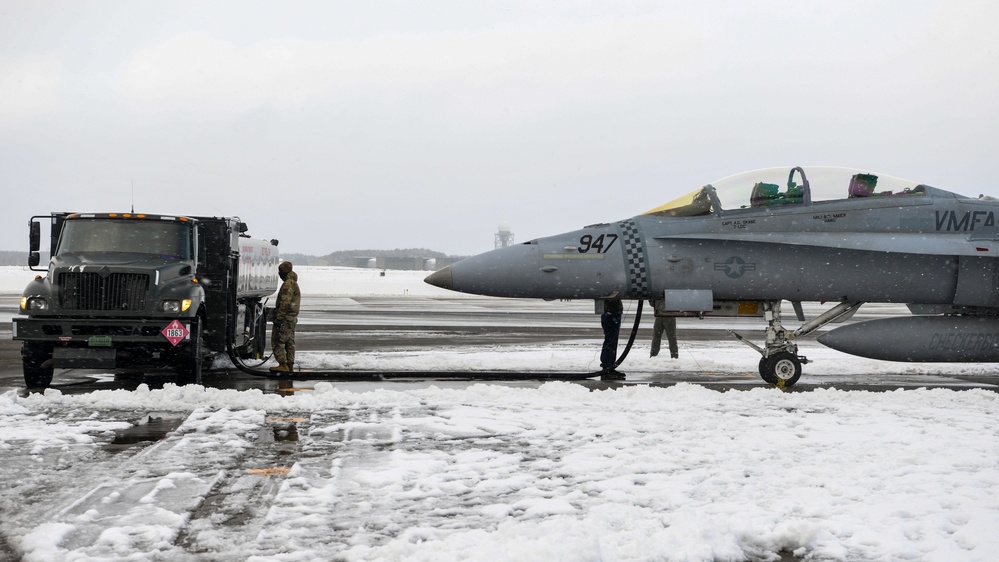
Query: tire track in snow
(139, 507)
(308, 518)
(234, 512)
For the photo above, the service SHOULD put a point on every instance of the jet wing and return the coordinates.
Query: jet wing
(960, 244)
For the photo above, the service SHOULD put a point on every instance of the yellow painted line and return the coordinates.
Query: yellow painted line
(573, 256)
(295, 389)
(268, 471)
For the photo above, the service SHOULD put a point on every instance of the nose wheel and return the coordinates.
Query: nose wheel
(782, 369)
(781, 364)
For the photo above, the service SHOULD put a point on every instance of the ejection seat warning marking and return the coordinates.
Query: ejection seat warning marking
(739, 224)
(175, 332)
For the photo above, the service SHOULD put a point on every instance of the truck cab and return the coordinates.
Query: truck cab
(126, 291)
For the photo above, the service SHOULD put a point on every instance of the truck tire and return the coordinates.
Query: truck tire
(34, 356)
(190, 360)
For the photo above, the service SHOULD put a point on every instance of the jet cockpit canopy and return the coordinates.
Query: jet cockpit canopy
(781, 186)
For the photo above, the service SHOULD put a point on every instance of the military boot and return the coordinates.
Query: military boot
(280, 368)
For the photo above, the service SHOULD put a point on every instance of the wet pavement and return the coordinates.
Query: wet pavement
(398, 324)
(374, 324)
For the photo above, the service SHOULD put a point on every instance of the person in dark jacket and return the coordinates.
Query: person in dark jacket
(610, 321)
(289, 299)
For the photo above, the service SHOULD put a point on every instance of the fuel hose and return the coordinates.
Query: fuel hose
(634, 332)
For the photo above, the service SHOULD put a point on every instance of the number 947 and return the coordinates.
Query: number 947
(601, 244)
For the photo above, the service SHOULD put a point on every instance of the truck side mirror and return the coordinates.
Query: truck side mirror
(34, 237)
(34, 259)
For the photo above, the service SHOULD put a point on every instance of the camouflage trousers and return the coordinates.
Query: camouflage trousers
(283, 341)
(664, 324)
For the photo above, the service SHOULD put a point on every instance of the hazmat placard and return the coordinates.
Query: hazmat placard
(175, 332)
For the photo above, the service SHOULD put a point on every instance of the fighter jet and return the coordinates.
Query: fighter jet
(742, 245)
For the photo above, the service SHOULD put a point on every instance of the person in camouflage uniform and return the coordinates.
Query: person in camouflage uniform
(285, 319)
(664, 324)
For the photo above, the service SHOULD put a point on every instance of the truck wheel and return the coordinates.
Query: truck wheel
(34, 357)
(189, 362)
(782, 368)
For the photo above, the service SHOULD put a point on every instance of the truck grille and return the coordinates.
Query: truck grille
(92, 291)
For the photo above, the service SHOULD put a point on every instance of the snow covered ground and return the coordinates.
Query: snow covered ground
(498, 473)
(314, 281)
(501, 472)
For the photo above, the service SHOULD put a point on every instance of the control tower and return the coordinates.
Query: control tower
(504, 237)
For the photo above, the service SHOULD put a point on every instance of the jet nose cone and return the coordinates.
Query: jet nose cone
(441, 278)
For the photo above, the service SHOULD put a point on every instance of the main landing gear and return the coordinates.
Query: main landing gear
(781, 364)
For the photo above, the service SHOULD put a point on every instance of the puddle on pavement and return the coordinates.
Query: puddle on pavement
(151, 428)
(282, 434)
(279, 434)
(293, 386)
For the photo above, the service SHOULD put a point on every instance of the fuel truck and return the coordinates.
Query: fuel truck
(126, 292)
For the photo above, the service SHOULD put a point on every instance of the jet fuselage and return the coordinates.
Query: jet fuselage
(837, 236)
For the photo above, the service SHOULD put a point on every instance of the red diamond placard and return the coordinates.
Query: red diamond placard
(175, 332)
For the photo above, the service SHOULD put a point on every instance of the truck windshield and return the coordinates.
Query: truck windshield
(167, 239)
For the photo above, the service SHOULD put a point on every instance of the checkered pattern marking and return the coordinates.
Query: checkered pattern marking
(635, 260)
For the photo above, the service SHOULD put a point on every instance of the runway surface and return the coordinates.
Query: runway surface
(406, 341)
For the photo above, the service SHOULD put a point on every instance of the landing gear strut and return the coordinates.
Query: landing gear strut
(781, 364)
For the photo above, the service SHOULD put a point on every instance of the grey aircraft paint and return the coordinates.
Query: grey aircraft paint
(834, 235)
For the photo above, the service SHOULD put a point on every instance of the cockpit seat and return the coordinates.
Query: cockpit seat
(795, 194)
(862, 185)
(764, 194)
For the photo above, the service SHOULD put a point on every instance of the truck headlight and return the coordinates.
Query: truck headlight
(34, 303)
(175, 307)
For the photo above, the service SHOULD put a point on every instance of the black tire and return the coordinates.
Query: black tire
(190, 360)
(37, 361)
(767, 377)
(782, 369)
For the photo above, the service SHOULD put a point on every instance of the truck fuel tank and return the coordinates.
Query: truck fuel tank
(258, 268)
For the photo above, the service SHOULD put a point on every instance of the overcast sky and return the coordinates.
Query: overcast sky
(380, 125)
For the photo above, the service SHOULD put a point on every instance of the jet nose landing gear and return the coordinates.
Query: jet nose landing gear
(782, 369)
(781, 364)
